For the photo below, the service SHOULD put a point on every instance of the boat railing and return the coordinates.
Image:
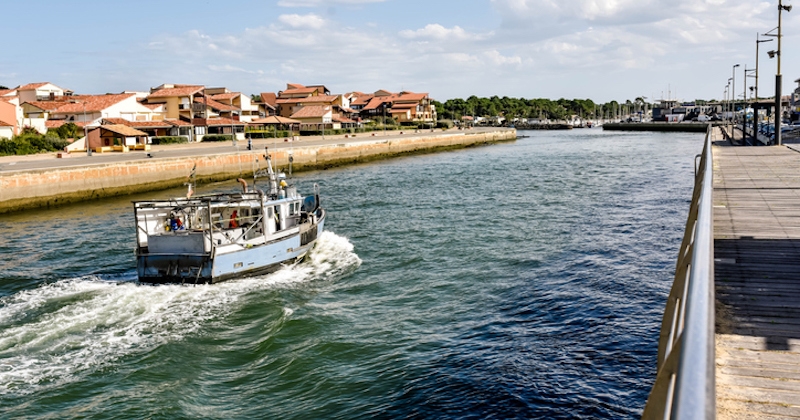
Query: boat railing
(249, 223)
(685, 382)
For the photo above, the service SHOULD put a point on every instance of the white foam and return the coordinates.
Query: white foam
(64, 330)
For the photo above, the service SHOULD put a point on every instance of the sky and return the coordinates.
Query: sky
(602, 50)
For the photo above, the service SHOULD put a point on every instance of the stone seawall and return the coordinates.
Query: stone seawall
(51, 187)
(689, 127)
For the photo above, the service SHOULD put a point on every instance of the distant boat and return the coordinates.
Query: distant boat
(212, 238)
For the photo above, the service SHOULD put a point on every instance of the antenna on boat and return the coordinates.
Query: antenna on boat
(268, 172)
(191, 181)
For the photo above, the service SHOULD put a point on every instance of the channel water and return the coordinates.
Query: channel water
(523, 279)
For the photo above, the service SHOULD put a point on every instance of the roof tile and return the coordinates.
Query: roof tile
(91, 103)
(211, 122)
(179, 90)
(312, 111)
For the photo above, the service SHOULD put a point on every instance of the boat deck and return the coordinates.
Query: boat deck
(757, 277)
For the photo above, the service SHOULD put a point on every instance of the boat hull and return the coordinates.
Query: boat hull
(227, 264)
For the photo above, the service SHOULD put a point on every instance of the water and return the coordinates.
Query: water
(519, 280)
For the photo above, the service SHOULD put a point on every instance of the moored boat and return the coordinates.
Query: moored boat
(212, 238)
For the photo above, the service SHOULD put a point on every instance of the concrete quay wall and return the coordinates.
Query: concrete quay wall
(690, 127)
(61, 185)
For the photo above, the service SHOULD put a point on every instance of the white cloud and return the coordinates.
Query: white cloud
(302, 21)
(232, 69)
(439, 32)
(498, 59)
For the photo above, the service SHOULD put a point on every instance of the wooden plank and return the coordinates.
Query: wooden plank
(757, 278)
(750, 410)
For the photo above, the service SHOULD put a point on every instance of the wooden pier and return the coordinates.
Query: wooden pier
(757, 278)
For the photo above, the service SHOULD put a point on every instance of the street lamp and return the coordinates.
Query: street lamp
(728, 99)
(86, 131)
(744, 103)
(779, 77)
(85, 128)
(725, 100)
(758, 41)
(733, 101)
(751, 73)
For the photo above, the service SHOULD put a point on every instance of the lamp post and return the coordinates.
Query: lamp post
(724, 100)
(758, 41)
(744, 103)
(728, 98)
(733, 101)
(86, 131)
(779, 78)
(747, 99)
(85, 127)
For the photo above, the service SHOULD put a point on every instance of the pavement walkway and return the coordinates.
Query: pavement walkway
(50, 160)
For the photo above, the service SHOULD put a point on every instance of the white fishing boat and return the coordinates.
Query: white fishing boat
(212, 238)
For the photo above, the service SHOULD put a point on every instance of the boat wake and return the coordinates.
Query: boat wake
(62, 331)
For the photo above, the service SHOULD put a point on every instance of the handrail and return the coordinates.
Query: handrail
(685, 383)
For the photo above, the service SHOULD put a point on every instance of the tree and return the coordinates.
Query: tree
(66, 131)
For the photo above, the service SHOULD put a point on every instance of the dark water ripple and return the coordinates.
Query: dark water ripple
(519, 280)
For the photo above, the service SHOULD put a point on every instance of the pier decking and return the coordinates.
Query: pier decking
(757, 277)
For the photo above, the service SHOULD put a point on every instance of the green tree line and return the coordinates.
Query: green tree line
(511, 108)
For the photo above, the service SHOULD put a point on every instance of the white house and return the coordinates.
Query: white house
(39, 92)
(91, 108)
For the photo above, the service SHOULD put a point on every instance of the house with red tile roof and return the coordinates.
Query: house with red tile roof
(226, 126)
(40, 109)
(290, 106)
(288, 101)
(83, 110)
(91, 108)
(158, 128)
(8, 93)
(314, 117)
(404, 107)
(269, 98)
(8, 120)
(40, 92)
(177, 100)
(296, 90)
(247, 109)
(117, 138)
(267, 105)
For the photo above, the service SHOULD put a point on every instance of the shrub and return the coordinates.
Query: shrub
(66, 131)
(28, 143)
(169, 139)
(444, 124)
(217, 137)
(268, 134)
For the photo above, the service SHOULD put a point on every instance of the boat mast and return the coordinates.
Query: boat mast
(273, 181)
(191, 181)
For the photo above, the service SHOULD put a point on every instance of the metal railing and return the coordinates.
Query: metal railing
(685, 383)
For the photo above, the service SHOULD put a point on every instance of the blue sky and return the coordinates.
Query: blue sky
(598, 49)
